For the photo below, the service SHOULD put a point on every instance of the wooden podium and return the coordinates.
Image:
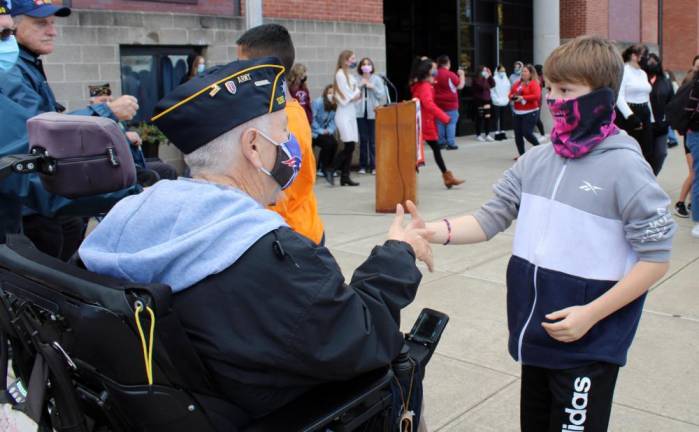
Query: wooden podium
(397, 148)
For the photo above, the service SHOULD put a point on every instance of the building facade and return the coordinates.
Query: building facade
(141, 47)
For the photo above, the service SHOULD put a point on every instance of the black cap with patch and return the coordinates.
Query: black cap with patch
(220, 99)
(4, 10)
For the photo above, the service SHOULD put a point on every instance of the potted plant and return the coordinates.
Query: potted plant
(151, 138)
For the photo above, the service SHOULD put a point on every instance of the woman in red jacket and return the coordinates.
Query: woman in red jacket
(526, 100)
(423, 76)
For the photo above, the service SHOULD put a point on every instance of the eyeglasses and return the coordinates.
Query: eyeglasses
(6, 33)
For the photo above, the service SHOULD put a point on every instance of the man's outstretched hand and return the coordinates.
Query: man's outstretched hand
(415, 234)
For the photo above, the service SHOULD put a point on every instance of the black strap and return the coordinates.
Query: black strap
(4, 354)
(36, 392)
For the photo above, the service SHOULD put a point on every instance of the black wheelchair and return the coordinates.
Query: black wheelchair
(77, 343)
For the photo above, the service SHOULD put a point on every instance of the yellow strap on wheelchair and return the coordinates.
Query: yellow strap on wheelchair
(147, 351)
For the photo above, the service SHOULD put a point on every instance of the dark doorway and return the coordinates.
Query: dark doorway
(417, 28)
(470, 32)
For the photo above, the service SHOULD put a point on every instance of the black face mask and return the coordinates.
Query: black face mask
(653, 69)
(643, 61)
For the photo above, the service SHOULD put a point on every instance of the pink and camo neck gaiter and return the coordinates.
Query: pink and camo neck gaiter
(582, 123)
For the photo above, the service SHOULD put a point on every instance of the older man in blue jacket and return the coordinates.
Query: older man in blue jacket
(50, 221)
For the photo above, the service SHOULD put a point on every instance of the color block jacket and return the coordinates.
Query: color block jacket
(582, 224)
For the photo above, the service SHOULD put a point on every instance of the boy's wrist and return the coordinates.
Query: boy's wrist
(594, 311)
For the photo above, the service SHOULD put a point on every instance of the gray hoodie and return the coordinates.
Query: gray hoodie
(582, 224)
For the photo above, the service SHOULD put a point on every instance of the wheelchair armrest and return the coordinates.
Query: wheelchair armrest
(328, 402)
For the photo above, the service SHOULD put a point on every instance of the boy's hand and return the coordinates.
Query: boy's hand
(575, 322)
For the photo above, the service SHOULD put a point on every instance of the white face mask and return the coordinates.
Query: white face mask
(330, 97)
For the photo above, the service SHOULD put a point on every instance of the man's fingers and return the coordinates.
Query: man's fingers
(398, 219)
(424, 233)
(412, 209)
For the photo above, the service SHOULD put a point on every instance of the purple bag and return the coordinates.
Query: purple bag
(90, 155)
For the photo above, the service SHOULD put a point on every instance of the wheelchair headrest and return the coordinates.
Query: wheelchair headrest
(89, 155)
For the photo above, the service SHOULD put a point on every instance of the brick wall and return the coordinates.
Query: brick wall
(223, 8)
(370, 11)
(598, 17)
(649, 21)
(573, 18)
(680, 33)
(626, 20)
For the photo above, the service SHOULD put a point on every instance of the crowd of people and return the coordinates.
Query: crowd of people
(243, 255)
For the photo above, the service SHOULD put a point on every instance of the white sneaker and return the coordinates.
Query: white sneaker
(320, 173)
(695, 230)
(489, 138)
(362, 171)
(480, 138)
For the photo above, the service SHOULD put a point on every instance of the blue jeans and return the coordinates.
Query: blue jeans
(447, 132)
(693, 144)
(671, 135)
(367, 147)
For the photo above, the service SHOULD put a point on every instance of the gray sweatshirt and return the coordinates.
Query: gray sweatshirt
(592, 217)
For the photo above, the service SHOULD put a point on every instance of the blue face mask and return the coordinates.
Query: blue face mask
(201, 68)
(288, 162)
(8, 53)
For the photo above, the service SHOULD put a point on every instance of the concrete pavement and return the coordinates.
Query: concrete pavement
(472, 383)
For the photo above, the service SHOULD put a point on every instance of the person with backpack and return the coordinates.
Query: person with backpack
(680, 112)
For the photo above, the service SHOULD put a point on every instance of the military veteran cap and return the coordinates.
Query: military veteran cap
(220, 99)
(38, 8)
(4, 7)
(100, 90)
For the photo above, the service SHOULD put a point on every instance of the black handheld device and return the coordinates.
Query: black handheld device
(428, 328)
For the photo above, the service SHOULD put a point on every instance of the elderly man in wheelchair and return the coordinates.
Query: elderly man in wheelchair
(199, 309)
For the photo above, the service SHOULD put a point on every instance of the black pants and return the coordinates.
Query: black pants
(344, 159)
(644, 136)
(499, 113)
(434, 145)
(165, 170)
(483, 117)
(568, 399)
(328, 148)
(524, 128)
(659, 152)
(540, 125)
(59, 237)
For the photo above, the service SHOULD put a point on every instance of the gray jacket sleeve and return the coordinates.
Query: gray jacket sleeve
(648, 225)
(497, 214)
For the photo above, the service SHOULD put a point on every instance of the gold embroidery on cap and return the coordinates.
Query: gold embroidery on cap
(214, 90)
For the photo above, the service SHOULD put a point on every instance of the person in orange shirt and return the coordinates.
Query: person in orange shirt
(299, 208)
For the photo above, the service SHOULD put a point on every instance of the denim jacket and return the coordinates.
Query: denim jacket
(322, 120)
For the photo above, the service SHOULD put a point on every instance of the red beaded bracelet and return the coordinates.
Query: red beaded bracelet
(448, 232)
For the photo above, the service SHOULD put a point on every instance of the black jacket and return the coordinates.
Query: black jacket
(693, 107)
(660, 96)
(282, 320)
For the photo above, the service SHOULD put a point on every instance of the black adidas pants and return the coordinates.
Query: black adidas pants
(562, 400)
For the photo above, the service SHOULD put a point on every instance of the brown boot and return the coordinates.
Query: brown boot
(450, 180)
